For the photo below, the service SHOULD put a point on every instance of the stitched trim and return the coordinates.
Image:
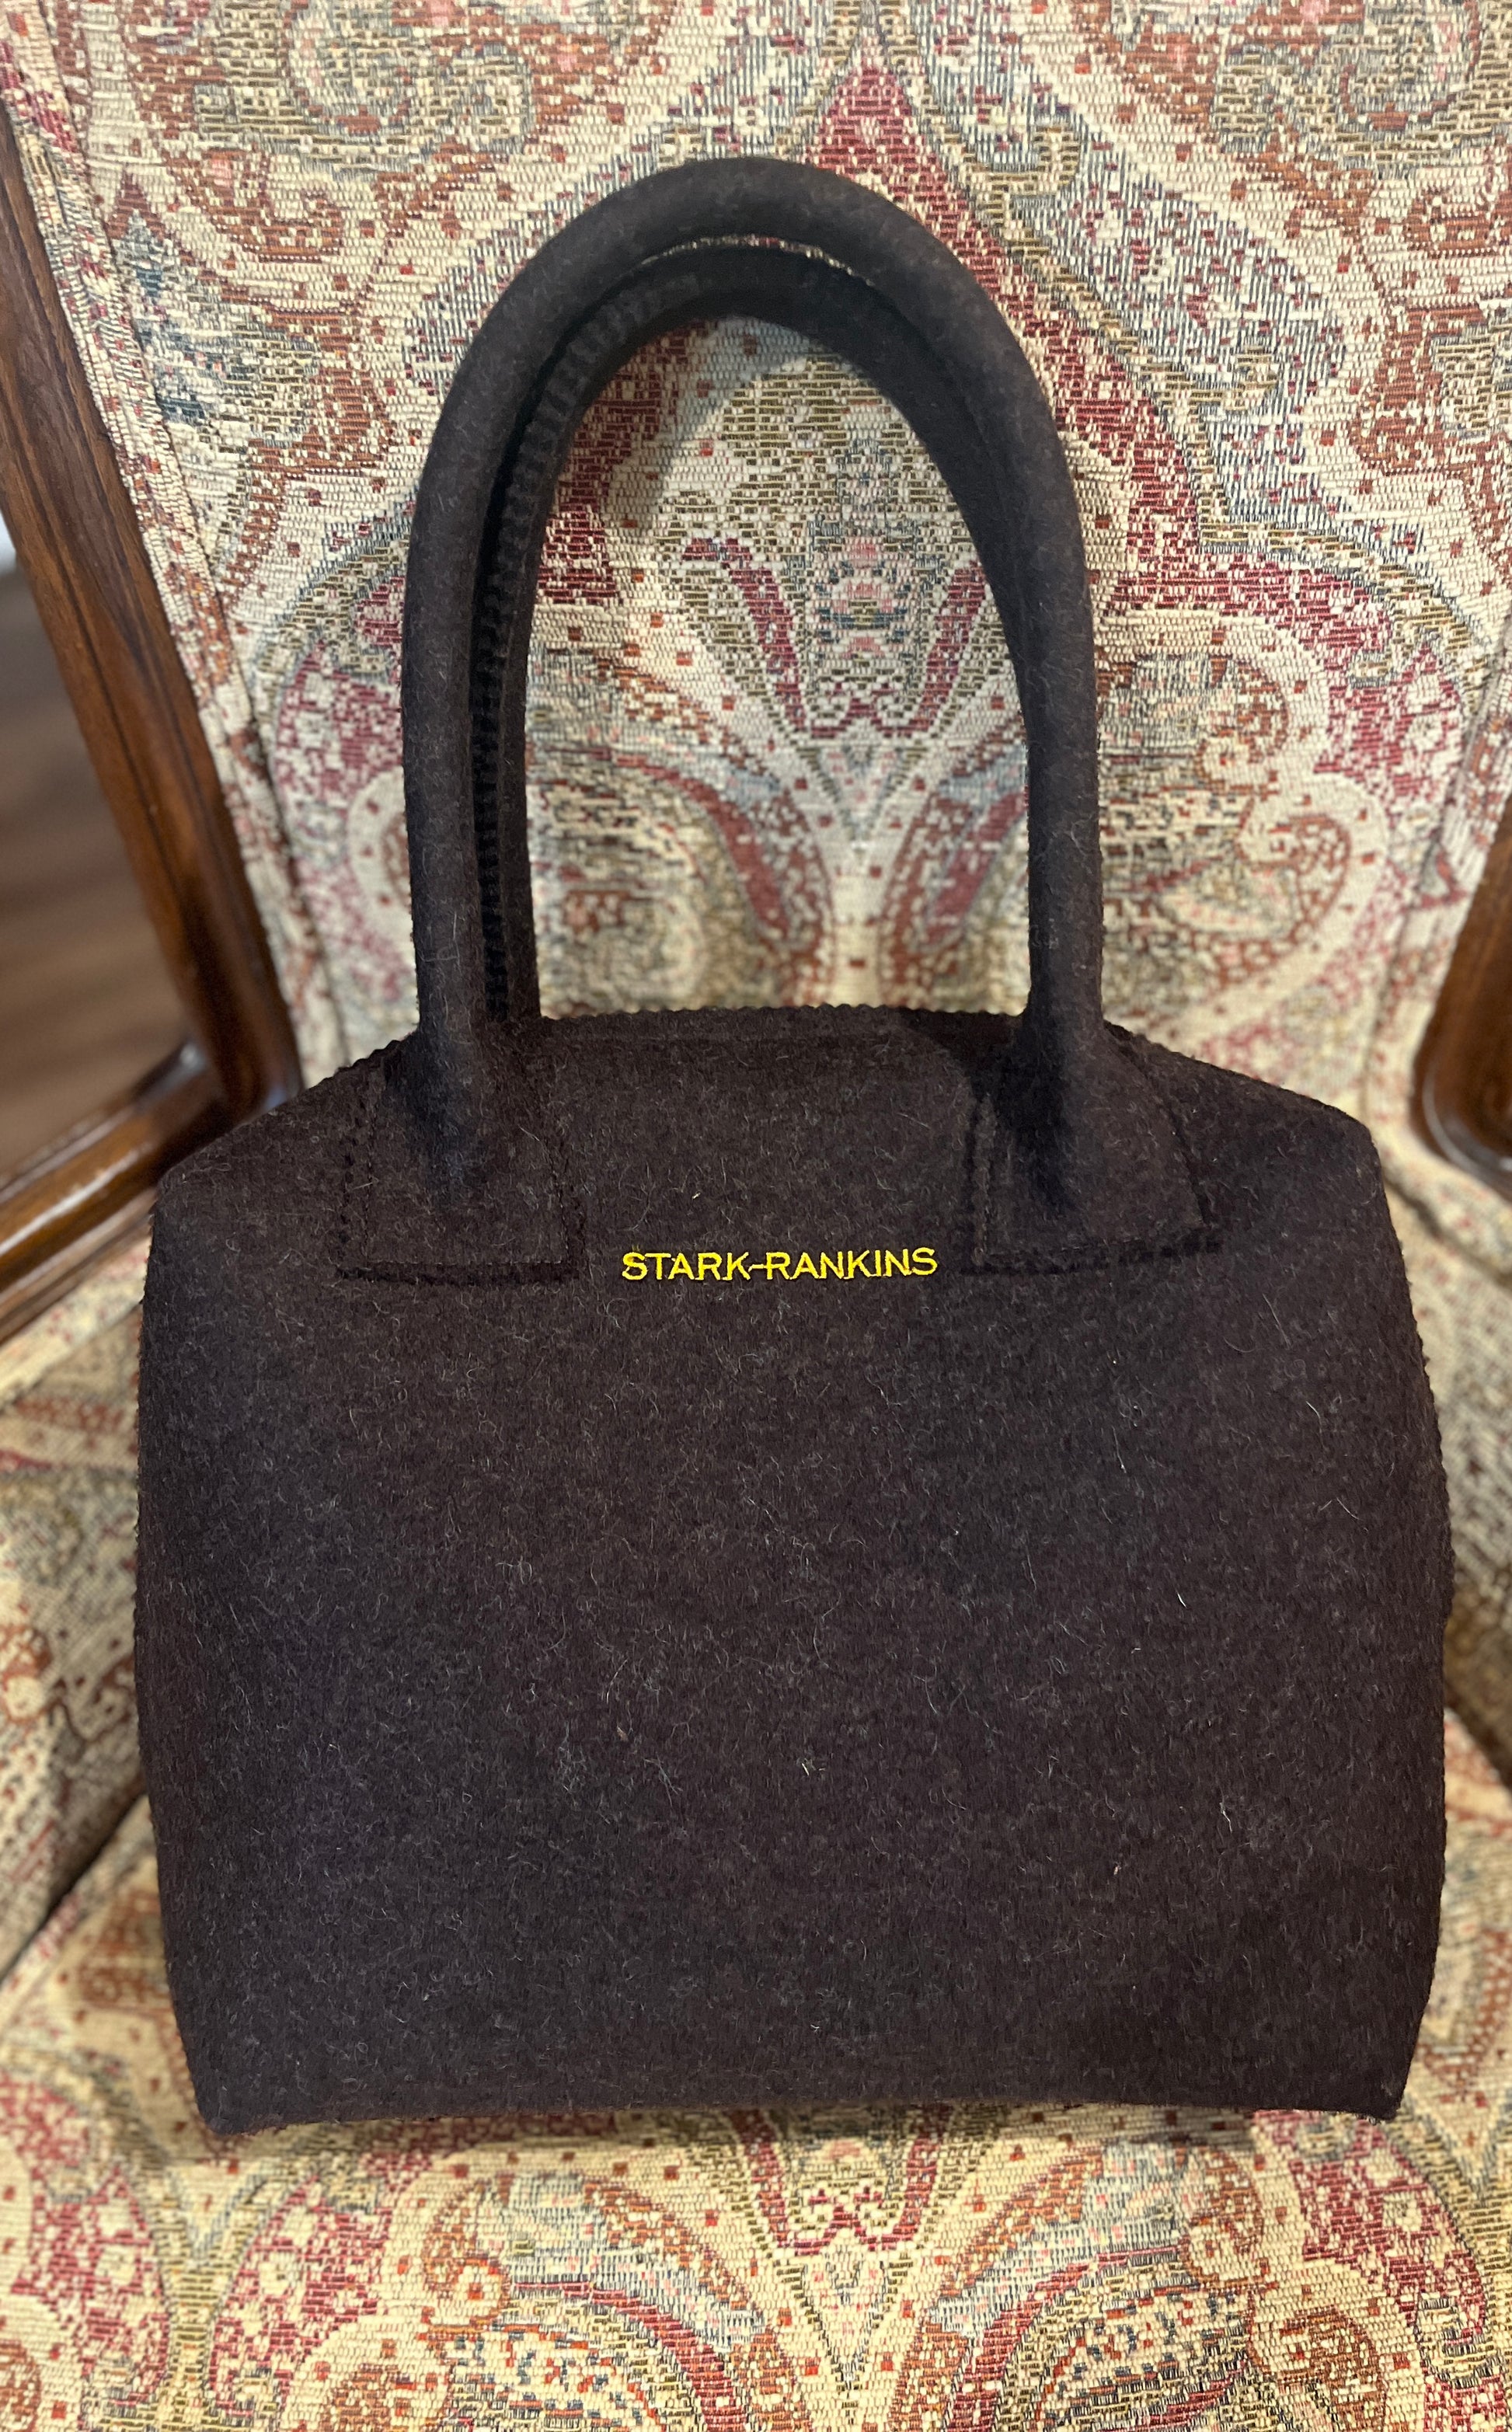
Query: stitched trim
(1205, 1236)
(485, 1273)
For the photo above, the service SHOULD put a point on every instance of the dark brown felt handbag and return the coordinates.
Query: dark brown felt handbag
(802, 1555)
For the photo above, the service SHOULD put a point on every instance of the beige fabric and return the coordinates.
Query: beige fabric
(111, 1292)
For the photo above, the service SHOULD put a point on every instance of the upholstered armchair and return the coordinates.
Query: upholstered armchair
(1259, 260)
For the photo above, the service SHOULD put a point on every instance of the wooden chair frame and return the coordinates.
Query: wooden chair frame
(78, 541)
(1465, 1064)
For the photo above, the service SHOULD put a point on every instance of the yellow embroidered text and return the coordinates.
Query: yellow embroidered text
(774, 1266)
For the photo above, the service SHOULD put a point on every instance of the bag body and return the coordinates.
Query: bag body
(821, 1554)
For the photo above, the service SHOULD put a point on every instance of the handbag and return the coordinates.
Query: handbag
(817, 1554)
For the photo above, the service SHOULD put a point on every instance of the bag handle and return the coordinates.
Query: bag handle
(838, 263)
(802, 292)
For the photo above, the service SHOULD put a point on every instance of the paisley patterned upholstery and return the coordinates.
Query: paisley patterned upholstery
(1259, 259)
(1259, 256)
(68, 1510)
(784, 2272)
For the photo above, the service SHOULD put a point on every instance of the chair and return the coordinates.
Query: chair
(1259, 263)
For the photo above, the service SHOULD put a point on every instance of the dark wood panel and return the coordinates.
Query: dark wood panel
(31, 1295)
(78, 538)
(1465, 1064)
(59, 1211)
(87, 1006)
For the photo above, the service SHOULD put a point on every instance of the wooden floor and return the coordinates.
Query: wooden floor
(86, 1004)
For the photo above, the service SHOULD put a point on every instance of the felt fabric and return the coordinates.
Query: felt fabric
(718, 1557)
(586, 1690)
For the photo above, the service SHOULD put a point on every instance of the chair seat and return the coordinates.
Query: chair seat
(954, 2268)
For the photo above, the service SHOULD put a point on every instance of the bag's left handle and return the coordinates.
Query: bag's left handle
(851, 268)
